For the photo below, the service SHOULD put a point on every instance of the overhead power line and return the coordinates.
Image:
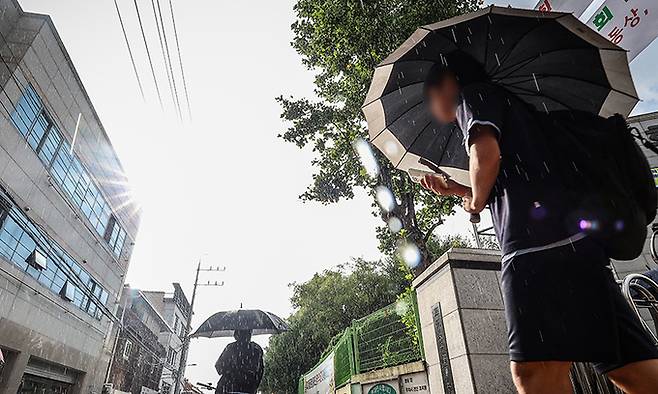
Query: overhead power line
(171, 70)
(130, 52)
(180, 60)
(148, 53)
(162, 50)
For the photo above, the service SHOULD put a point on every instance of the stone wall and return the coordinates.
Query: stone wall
(463, 323)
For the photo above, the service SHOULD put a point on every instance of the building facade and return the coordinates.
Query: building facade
(175, 308)
(67, 224)
(138, 361)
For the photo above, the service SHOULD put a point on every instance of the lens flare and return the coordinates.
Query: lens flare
(587, 225)
(385, 198)
(410, 254)
(401, 307)
(367, 157)
(391, 148)
(394, 225)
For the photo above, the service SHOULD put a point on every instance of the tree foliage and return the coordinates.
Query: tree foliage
(324, 306)
(327, 304)
(342, 42)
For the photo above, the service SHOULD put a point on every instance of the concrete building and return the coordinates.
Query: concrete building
(175, 308)
(67, 224)
(138, 362)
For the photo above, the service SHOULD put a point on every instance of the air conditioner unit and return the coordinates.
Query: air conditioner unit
(67, 292)
(37, 260)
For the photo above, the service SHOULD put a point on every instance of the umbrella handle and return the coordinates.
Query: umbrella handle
(475, 218)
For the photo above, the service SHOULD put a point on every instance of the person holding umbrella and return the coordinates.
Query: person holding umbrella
(554, 316)
(490, 73)
(241, 363)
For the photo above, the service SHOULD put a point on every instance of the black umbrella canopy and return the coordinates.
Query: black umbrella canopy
(551, 61)
(224, 324)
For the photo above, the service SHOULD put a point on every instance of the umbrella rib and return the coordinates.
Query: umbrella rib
(486, 46)
(396, 119)
(525, 62)
(412, 144)
(519, 41)
(391, 92)
(534, 94)
(543, 76)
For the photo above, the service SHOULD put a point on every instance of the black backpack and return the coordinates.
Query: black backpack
(607, 179)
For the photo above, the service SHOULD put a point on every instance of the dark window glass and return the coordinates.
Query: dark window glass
(17, 243)
(49, 147)
(32, 121)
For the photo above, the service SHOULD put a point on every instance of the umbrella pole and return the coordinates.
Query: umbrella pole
(476, 234)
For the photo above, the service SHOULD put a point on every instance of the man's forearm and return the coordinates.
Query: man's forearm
(484, 165)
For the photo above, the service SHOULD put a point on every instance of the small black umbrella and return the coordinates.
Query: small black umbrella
(551, 61)
(224, 324)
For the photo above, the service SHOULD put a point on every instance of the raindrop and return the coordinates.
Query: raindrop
(385, 198)
(394, 224)
(535, 79)
(367, 157)
(454, 36)
(410, 254)
(497, 60)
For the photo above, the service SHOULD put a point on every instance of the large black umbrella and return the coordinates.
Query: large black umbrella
(551, 61)
(224, 324)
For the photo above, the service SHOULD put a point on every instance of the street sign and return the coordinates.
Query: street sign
(627, 23)
(577, 7)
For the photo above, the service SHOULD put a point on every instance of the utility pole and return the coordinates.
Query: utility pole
(188, 326)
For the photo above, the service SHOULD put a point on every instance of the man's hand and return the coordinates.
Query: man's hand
(443, 187)
(469, 205)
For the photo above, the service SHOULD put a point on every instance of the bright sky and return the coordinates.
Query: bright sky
(223, 187)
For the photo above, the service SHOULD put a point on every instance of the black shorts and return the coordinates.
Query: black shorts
(563, 304)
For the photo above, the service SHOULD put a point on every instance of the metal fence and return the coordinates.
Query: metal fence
(382, 339)
(385, 338)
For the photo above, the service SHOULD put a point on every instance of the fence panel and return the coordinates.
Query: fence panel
(343, 359)
(382, 339)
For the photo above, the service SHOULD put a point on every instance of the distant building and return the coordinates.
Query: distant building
(137, 365)
(175, 308)
(67, 224)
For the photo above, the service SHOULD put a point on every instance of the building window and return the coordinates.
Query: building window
(171, 356)
(33, 123)
(115, 236)
(127, 348)
(18, 243)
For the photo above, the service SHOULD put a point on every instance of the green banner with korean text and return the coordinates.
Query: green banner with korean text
(631, 24)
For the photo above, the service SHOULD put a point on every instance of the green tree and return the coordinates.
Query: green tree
(324, 306)
(342, 42)
(327, 304)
